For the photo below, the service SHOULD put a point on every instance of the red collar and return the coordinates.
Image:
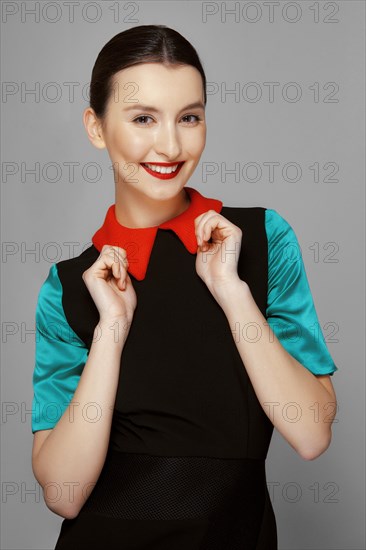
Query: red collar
(138, 242)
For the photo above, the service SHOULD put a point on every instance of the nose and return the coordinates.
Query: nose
(167, 141)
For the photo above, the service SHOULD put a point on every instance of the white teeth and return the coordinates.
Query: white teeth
(162, 169)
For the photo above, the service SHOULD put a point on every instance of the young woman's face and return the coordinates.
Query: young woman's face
(155, 115)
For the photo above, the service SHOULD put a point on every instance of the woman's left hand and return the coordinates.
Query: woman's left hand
(217, 262)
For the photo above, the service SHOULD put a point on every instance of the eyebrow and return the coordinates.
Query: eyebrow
(141, 107)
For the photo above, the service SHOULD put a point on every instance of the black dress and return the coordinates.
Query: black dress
(185, 467)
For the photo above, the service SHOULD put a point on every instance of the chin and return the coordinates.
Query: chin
(162, 193)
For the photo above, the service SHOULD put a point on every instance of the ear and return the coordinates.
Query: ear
(93, 128)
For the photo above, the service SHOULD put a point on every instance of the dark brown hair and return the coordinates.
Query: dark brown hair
(142, 44)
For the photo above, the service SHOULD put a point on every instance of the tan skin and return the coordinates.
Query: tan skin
(173, 133)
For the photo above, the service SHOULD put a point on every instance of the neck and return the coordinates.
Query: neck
(135, 210)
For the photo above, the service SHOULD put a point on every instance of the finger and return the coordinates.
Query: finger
(218, 228)
(118, 274)
(205, 225)
(118, 258)
(119, 268)
(122, 272)
(208, 224)
(108, 248)
(118, 254)
(199, 222)
(116, 251)
(116, 269)
(115, 259)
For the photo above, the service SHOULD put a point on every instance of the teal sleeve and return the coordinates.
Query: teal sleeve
(59, 359)
(291, 313)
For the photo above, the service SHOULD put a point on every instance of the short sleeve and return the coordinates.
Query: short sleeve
(60, 356)
(291, 312)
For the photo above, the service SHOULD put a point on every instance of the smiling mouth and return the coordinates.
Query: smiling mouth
(163, 170)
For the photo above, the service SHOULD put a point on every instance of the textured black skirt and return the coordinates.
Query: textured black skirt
(149, 502)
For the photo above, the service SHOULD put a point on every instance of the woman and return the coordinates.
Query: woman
(171, 347)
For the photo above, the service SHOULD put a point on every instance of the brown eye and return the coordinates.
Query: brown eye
(196, 117)
(141, 117)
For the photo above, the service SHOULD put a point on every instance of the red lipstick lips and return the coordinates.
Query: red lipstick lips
(166, 164)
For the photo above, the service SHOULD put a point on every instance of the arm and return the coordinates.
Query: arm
(69, 451)
(300, 405)
(72, 455)
(283, 373)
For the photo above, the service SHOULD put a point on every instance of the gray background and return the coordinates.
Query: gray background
(318, 504)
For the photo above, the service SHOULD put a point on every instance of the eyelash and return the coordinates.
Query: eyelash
(198, 118)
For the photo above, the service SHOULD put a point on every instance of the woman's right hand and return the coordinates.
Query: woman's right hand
(110, 285)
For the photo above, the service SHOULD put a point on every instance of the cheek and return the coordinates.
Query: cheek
(195, 143)
(132, 145)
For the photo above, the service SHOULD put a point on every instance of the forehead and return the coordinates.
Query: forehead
(155, 83)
